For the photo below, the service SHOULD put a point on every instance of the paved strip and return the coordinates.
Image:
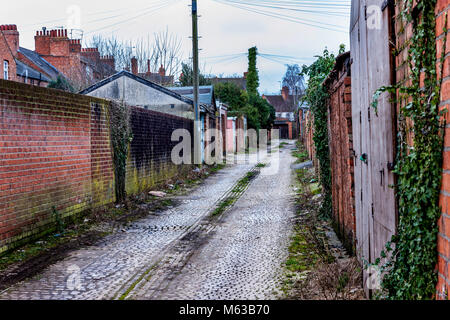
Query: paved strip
(241, 255)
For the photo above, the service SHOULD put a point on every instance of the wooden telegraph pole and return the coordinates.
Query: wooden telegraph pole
(197, 127)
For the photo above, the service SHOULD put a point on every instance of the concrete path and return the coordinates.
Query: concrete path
(184, 253)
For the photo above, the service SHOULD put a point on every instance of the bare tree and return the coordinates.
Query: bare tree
(163, 50)
(294, 81)
(166, 52)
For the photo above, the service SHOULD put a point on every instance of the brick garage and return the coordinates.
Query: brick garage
(52, 156)
(338, 85)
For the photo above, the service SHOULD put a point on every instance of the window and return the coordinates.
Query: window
(5, 70)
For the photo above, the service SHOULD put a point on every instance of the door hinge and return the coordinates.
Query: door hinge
(372, 210)
(368, 113)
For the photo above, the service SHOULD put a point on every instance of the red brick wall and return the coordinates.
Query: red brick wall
(443, 286)
(54, 152)
(341, 155)
(403, 33)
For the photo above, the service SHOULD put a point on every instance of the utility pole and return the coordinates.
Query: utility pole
(197, 127)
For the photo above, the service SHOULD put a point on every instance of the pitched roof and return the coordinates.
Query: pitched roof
(40, 62)
(25, 70)
(128, 74)
(206, 93)
(281, 105)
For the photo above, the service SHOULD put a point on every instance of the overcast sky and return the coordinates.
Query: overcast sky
(225, 30)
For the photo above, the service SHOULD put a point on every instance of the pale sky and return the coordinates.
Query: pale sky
(225, 30)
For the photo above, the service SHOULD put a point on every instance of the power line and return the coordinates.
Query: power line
(147, 12)
(317, 12)
(286, 17)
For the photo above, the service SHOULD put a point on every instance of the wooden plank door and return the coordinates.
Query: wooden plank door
(373, 133)
(382, 133)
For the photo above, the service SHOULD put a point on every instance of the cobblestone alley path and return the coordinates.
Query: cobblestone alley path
(185, 253)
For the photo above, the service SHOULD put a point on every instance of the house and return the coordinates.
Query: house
(285, 106)
(54, 55)
(136, 91)
(177, 101)
(20, 64)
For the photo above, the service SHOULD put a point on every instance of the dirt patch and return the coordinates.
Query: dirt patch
(30, 259)
(318, 266)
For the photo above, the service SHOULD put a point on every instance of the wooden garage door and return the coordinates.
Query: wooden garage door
(373, 133)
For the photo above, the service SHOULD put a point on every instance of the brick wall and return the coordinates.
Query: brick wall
(149, 160)
(54, 153)
(308, 137)
(442, 9)
(340, 137)
(403, 33)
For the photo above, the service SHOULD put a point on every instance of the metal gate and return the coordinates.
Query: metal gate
(373, 133)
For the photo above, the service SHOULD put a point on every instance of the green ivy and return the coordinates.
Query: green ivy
(317, 98)
(411, 255)
(121, 136)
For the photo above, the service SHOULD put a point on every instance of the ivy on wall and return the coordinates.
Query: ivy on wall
(411, 255)
(121, 137)
(317, 97)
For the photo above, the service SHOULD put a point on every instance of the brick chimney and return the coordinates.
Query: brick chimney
(148, 66)
(162, 71)
(91, 54)
(12, 37)
(52, 42)
(109, 60)
(245, 74)
(74, 46)
(285, 93)
(134, 66)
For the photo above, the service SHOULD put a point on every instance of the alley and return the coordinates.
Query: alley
(184, 252)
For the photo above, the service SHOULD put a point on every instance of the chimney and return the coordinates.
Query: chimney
(91, 53)
(53, 42)
(162, 71)
(148, 66)
(42, 42)
(134, 66)
(285, 93)
(109, 60)
(12, 37)
(74, 46)
(245, 74)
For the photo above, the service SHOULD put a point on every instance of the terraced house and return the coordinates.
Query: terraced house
(55, 55)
